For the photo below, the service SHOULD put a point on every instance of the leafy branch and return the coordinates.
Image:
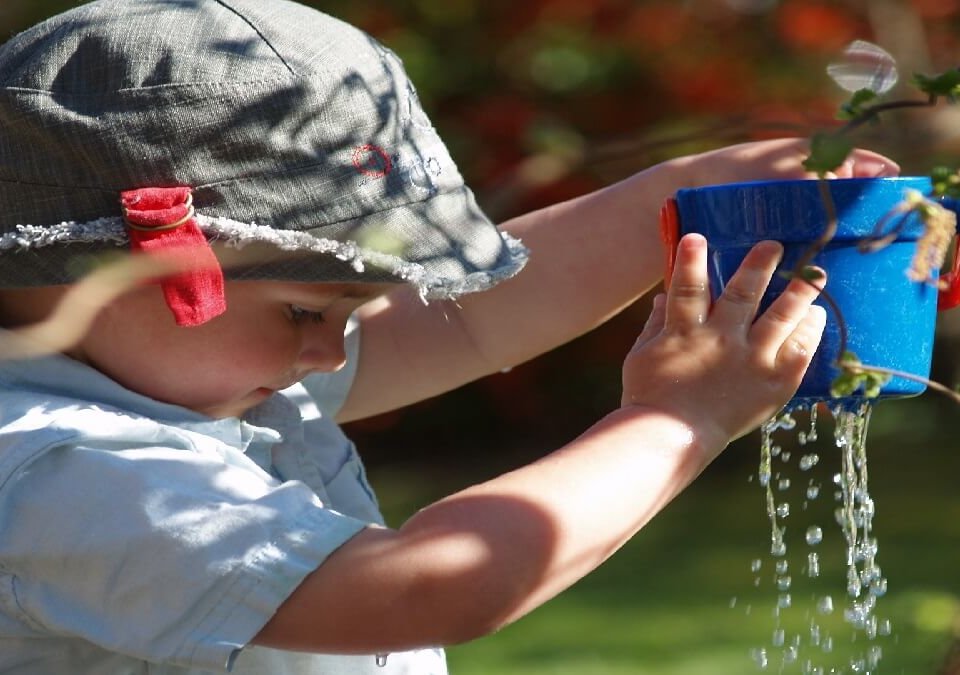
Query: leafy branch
(828, 151)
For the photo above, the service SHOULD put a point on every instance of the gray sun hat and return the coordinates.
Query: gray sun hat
(300, 136)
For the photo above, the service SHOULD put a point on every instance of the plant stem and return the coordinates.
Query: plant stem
(932, 384)
(871, 112)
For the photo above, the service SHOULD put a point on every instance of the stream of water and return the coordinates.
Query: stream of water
(806, 634)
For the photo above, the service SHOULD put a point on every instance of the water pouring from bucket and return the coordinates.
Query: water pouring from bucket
(881, 306)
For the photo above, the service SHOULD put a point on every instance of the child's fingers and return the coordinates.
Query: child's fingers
(778, 322)
(688, 299)
(797, 350)
(655, 321)
(738, 304)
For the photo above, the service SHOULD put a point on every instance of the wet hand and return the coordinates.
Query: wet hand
(718, 367)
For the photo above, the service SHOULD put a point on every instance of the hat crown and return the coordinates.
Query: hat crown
(113, 45)
(118, 94)
(283, 120)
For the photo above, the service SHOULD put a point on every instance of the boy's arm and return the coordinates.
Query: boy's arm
(479, 559)
(590, 257)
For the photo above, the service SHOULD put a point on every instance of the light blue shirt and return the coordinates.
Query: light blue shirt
(141, 537)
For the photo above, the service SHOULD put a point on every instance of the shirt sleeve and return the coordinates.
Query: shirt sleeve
(176, 556)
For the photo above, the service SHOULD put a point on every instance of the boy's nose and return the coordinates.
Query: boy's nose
(322, 347)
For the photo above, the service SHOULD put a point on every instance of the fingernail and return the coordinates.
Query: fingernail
(873, 168)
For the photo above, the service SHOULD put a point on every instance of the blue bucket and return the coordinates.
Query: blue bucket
(890, 319)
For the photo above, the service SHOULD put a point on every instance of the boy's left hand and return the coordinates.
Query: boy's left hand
(720, 369)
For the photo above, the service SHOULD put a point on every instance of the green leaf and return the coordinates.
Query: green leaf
(855, 108)
(827, 152)
(811, 274)
(945, 84)
(853, 376)
(848, 358)
(946, 182)
(843, 385)
(873, 383)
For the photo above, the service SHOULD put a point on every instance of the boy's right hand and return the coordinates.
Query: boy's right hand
(716, 368)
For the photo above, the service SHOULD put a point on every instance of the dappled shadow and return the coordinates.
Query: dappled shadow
(263, 134)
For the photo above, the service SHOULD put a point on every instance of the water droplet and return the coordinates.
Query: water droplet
(854, 585)
(382, 660)
(778, 637)
(814, 634)
(874, 654)
(782, 566)
(778, 548)
(827, 644)
(759, 657)
(756, 564)
(813, 491)
(783, 510)
(825, 605)
(784, 601)
(814, 535)
(783, 484)
(807, 462)
(878, 587)
(884, 627)
(785, 422)
(733, 602)
(813, 565)
(783, 583)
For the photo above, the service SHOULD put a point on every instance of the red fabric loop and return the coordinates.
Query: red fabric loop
(194, 296)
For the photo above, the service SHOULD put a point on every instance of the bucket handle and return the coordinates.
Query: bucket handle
(947, 298)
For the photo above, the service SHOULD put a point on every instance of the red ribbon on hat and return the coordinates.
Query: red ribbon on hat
(160, 222)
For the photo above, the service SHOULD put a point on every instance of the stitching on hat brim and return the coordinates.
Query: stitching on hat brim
(238, 235)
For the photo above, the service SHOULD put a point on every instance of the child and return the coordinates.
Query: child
(175, 495)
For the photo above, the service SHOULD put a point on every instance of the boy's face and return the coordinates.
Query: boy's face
(272, 335)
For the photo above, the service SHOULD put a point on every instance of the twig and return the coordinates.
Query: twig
(860, 368)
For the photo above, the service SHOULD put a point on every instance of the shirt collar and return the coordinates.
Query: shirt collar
(62, 377)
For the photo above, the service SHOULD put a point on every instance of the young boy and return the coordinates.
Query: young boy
(175, 495)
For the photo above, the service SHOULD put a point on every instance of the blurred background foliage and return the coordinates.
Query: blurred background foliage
(543, 100)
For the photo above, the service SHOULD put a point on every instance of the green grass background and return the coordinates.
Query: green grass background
(662, 605)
